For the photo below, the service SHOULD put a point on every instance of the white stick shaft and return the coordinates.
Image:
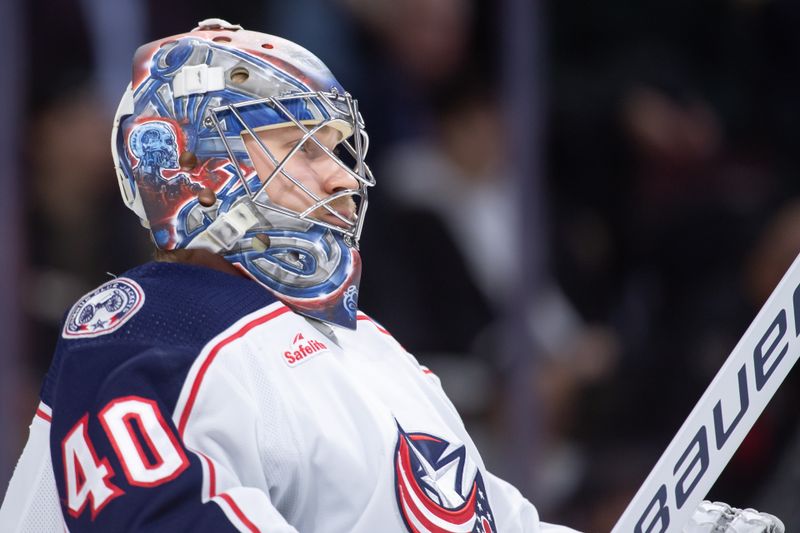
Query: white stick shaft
(722, 418)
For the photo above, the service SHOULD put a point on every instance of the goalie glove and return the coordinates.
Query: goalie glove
(718, 517)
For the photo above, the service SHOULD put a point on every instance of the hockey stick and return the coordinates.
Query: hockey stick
(722, 418)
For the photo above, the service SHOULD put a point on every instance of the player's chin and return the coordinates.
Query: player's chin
(333, 220)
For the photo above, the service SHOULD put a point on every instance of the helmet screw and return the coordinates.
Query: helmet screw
(208, 122)
(206, 197)
(348, 240)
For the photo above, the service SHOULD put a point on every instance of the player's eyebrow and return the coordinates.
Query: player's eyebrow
(282, 138)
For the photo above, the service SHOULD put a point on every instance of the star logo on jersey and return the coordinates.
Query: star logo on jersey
(104, 309)
(439, 490)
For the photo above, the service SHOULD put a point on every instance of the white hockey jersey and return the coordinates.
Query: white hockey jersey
(186, 399)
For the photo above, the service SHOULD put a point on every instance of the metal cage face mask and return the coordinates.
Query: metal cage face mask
(302, 118)
(311, 259)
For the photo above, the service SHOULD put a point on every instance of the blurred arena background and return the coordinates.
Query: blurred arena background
(580, 207)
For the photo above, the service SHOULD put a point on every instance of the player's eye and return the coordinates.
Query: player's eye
(311, 149)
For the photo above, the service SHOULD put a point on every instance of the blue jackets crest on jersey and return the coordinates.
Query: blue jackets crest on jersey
(433, 492)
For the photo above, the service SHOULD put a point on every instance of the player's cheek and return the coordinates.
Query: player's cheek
(303, 172)
(285, 193)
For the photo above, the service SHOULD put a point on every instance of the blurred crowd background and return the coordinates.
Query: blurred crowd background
(580, 207)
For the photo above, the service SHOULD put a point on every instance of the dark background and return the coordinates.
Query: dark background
(580, 208)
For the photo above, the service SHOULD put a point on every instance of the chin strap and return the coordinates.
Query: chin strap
(228, 228)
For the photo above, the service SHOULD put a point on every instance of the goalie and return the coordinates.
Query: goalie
(233, 385)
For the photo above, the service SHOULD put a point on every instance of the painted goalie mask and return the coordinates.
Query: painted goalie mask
(187, 138)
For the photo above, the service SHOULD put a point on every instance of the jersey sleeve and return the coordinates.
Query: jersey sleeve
(31, 501)
(121, 463)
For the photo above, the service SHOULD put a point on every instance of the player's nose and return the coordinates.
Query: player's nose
(336, 178)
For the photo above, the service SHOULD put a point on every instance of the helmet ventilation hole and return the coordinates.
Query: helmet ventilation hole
(267, 46)
(239, 75)
(221, 39)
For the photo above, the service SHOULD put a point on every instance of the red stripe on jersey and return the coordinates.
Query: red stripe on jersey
(212, 476)
(429, 526)
(403, 505)
(425, 437)
(44, 416)
(251, 526)
(368, 319)
(198, 380)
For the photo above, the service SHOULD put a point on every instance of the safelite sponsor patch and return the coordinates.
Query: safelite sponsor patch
(303, 349)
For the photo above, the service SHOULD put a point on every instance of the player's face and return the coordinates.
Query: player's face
(310, 166)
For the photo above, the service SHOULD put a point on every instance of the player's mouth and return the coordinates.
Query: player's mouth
(347, 214)
(344, 207)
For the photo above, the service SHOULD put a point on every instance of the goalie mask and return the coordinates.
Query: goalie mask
(214, 142)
